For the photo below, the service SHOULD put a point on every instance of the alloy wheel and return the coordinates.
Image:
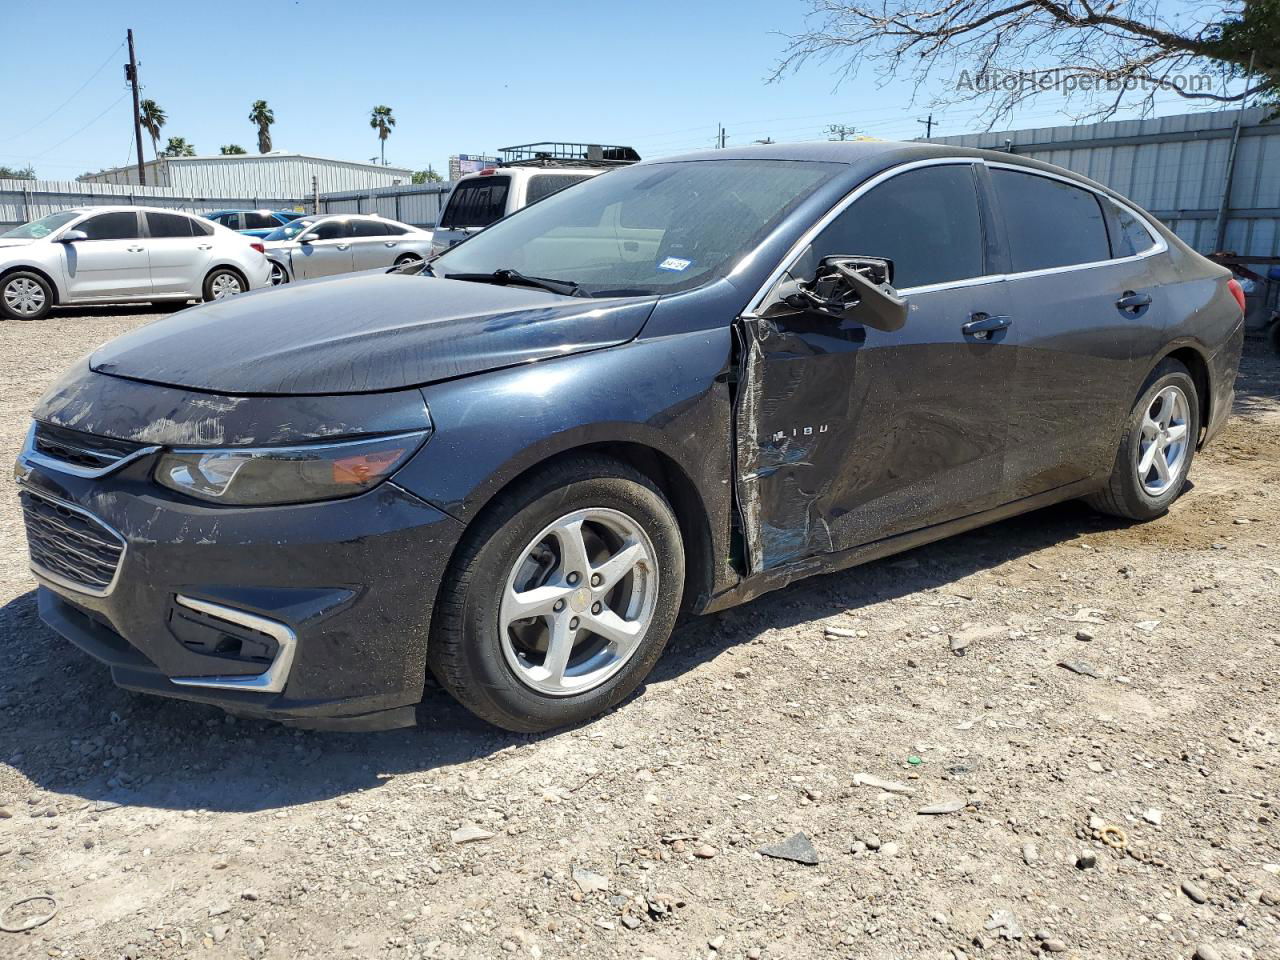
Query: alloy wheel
(1163, 448)
(225, 285)
(24, 296)
(578, 601)
(277, 274)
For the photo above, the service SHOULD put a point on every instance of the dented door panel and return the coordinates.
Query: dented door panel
(846, 434)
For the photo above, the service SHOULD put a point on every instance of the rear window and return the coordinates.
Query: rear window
(1050, 223)
(545, 184)
(477, 203)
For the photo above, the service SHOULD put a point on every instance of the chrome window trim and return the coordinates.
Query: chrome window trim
(271, 680)
(54, 579)
(793, 254)
(34, 457)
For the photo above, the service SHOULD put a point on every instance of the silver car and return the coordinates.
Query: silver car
(123, 255)
(320, 246)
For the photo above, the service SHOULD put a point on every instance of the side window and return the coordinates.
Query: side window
(1133, 237)
(394, 229)
(259, 221)
(169, 225)
(331, 230)
(926, 221)
(1049, 223)
(368, 228)
(545, 184)
(111, 226)
(230, 220)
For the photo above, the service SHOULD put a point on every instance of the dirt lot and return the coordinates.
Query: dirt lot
(167, 830)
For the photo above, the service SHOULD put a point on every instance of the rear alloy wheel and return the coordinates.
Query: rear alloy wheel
(222, 284)
(278, 274)
(1157, 447)
(25, 296)
(561, 598)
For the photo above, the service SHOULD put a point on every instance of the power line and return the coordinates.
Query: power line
(79, 90)
(37, 156)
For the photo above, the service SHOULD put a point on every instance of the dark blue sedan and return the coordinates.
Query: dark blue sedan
(253, 223)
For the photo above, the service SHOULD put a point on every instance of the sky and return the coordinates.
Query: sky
(462, 77)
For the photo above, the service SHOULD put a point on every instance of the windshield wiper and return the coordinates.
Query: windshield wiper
(506, 277)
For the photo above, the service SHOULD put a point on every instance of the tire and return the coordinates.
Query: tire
(279, 275)
(223, 283)
(407, 258)
(1143, 495)
(25, 295)
(1273, 334)
(495, 669)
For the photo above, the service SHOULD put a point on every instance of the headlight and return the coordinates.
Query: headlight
(267, 475)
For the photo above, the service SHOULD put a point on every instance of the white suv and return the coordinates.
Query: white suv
(123, 255)
(527, 174)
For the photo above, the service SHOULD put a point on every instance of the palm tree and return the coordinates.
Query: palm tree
(380, 119)
(152, 117)
(264, 118)
(178, 147)
(231, 148)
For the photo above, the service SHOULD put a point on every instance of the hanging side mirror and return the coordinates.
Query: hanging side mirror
(858, 289)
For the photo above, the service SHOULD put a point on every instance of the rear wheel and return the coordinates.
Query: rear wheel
(562, 597)
(223, 283)
(25, 296)
(1156, 449)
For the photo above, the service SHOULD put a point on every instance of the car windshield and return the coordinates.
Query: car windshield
(37, 229)
(289, 230)
(647, 229)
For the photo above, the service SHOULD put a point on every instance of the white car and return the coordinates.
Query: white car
(123, 255)
(320, 246)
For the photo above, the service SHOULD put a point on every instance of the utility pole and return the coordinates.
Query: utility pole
(131, 74)
(838, 131)
(928, 126)
(721, 135)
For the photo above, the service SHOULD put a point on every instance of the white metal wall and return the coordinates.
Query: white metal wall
(1175, 167)
(265, 175)
(23, 200)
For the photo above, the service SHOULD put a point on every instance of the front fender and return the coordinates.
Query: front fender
(669, 394)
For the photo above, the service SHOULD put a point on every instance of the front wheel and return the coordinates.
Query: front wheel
(25, 296)
(223, 283)
(1156, 449)
(407, 258)
(561, 599)
(278, 274)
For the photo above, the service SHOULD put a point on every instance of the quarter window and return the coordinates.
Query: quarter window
(1049, 223)
(926, 221)
(1132, 237)
(111, 226)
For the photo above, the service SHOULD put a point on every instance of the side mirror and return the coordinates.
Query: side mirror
(306, 238)
(71, 236)
(859, 289)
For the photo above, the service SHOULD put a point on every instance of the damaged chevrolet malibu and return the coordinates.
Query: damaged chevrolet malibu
(660, 393)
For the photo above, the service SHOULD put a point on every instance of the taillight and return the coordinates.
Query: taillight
(1237, 291)
(262, 249)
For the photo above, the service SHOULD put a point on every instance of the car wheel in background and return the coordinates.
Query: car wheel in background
(407, 258)
(1157, 447)
(25, 296)
(223, 283)
(1273, 334)
(561, 597)
(278, 274)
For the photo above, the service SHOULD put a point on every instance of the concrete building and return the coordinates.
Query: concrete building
(275, 174)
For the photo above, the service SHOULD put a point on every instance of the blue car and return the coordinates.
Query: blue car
(253, 223)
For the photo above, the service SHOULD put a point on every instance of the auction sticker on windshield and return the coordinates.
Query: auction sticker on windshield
(674, 263)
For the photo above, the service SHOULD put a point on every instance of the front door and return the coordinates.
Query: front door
(848, 434)
(111, 262)
(328, 251)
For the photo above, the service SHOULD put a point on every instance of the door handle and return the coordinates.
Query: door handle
(204, 246)
(1133, 302)
(982, 325)
(135, 249)
(389, 243)
(343, 246)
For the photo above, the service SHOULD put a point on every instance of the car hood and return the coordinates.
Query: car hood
(364, 333)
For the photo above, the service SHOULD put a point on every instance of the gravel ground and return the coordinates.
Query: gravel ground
(1123, 809)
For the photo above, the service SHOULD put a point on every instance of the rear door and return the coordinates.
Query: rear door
(372, 244)
(847, 434)
(327, 252)
(179, 251)
(1077, 341)
(112, 262)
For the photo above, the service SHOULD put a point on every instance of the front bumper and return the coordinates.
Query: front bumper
(339, 594)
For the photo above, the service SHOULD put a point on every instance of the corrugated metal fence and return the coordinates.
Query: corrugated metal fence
(1175, 167)
(23, 200)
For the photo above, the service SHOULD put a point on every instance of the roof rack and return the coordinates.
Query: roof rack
(559, 154)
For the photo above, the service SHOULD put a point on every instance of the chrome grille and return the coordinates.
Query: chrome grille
(84, 450)
(69, 545)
